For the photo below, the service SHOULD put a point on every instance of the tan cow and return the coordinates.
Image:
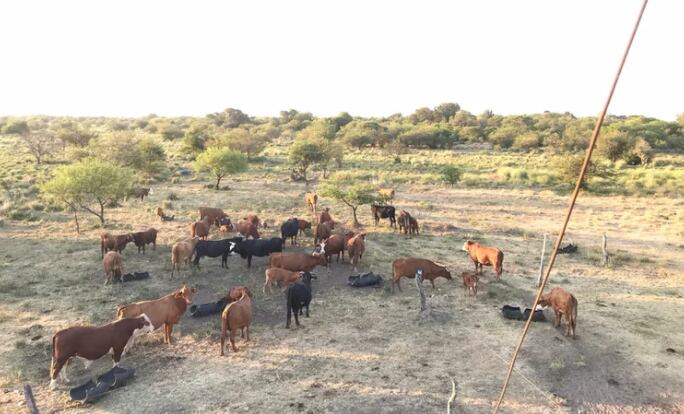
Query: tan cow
(563, 304)
(236, 316)
(113, 266)
(485, 255)
(285, 277)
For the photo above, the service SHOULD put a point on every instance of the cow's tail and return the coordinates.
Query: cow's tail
(499, 263)
(192, 229)
(225, 326)
(573, 321)
(120, 310)
(53, 362)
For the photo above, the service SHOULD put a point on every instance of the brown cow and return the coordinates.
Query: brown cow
(236, 316)
(92, 343)
(325, 216)
(113, 266)
(214, 214)
(275, 275)
(142, 238)
(303, 225)
(563, 304)
(470, 280)
(407, 267)
(323, 231)
(311, 200)
(407, 223)
(236, 292)
(165, 311)
(247, 229)
(140, 192)
(413, 226)
(301, 262)
(485, 255)
(200, 228)
(181, 252)
(116, 243)
(254, 219)
(386, 194)
(160, 213)
(335, 245)
(356, 247)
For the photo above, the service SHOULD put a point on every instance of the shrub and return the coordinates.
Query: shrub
(451, 174)
(568, 168)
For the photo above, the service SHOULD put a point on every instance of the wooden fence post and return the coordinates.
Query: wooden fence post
(541, 262)
(604, 248)
(30, 401)
(419, 285)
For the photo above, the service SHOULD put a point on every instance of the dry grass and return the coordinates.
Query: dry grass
(368, 350)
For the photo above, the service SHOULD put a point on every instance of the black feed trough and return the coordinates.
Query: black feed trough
(92, 391)
(206, 309)
(537, 317)
(368, 279)
(511, 312)
(129, 277)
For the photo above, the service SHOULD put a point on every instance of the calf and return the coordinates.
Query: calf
(215, 248)
(383, 211)
(325, 216)
(563, 304)
(335, 245)
(303, 225)
(301, 262)
(299, 297)
(236, 316)
(110, 242)
(470, 280)
(404, 221)
(165, 311)
(181, 252)
(311, 200)
(289, 229)
(323, 231)
(143, 238)
(254, 219)
(200, 228)
(247, 229)
(113, 266)
(275, 275)
(259, 248)
(356, 246)
(236, 292)
(160, 213)
(92, 343)
(215, 215)
(485, 255)
(413, 226)
(407, 267)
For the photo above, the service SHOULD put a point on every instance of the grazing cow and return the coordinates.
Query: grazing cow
(259, 248)
(236, 316)
(254, 219)
(160, 213)
(247, 229)
(299, 297)
(323, 231)
(303, 225)
(413, 226)
(276, 275)
(290, 229)
(143, 238)
(386, 194)
(563, 304)
(407, 267)
(470, 280)
(311, 200)
(297, 262)
(200, 228)
(113, 266)
(485, 255)
(215, 215)
(236, 292)
(356, 246)
(335, 245)
(165, 311)
(110, 242)
(181, 252)
(215, 248)
(404, 221)
(140, 192)
(383, 211)
(325, 216)
(92, 343)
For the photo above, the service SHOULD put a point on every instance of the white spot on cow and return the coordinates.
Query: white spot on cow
(231, 249)
(53, 384)
(465, 247)
(323, 247)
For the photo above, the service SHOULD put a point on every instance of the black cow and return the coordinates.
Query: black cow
(215, 248)
(298, 297)
(258, 247)
(383, 211)
(290, 229)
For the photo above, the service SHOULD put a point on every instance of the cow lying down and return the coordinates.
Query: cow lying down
(93, 342)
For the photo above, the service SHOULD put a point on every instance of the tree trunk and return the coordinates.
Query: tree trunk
(102, 213)
(356, 222)
(218, 181)
(78, 228)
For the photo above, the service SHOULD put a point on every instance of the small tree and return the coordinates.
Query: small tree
(568, 169)
(451, 174)
(221, 162)
(304, 152)
(353, 195)
(87, 183)
(239, 139)
(38, 143)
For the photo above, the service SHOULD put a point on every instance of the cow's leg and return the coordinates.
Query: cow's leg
(170, 332)
(232, 339)
(247, 328)
(433, 283)
(399, 284)
(154, 245)
(556, 322)
(296, 317)
(307, 310)
(116, 355)
(289, 316)
(249, 261)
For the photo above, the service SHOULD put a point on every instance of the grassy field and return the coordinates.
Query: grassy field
(367, 350)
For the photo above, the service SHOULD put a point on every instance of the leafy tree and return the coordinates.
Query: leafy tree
(197, 137)
(307, 151)
(342, 119)
(429, 136)
(568, 169)
(422, 115)
(169, 132)
(74, 134)
(38, 143)
(229, 118)
(353, 195)
(451, 174)
(16, 127)
(443, 112)
(239, 139)
(127, 149)
(90, 185)
(221, 162)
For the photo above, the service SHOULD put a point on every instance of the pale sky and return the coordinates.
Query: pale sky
(370, 58)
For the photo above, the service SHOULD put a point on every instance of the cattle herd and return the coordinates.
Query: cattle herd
(291, 270)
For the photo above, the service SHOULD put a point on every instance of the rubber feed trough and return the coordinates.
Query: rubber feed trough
(368, 279)
(208, 308)
(91, 391)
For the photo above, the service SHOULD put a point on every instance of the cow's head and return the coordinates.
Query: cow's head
(236, 292)
(185, 293)
(129, 237)
(545, 300)
(466, 245)
(306, 277)
(445, 272)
